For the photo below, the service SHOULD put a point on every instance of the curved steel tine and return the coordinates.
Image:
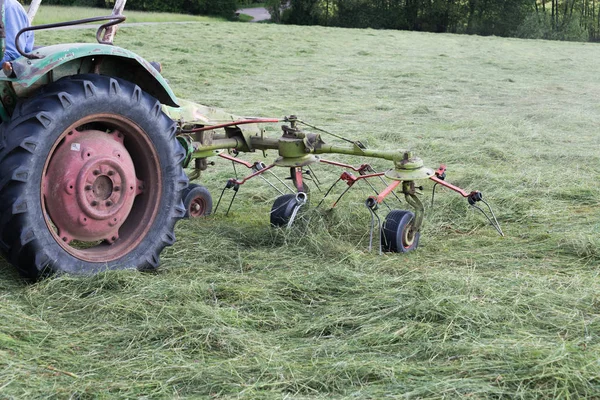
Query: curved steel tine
(328, 191)
(494, 221)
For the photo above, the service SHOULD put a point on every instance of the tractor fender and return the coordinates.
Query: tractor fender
(57, 61)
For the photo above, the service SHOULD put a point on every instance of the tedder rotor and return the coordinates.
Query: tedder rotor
(298, 151)
(93, 146)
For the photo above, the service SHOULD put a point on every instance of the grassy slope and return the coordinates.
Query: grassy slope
(240, 309)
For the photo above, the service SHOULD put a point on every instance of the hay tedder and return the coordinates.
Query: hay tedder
(94, 147)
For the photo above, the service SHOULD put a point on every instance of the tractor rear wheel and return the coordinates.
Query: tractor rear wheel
(90, 179)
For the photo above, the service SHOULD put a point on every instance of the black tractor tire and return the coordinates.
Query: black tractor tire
(397, 232)
(30, 145)
(197, 201)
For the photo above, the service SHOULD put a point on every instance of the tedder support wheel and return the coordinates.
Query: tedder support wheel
(197, 201)
(283, 208)
(398, 232)
(90, 179)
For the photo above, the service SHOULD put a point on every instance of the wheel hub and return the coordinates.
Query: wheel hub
(197, 207)
(102, 187)
(90, 186)
(408, 236)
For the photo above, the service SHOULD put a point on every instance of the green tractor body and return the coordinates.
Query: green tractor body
(26, 75)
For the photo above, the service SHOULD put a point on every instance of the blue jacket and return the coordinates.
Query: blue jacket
(15, 19)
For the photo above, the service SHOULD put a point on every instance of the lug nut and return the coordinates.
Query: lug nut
(109, 203)
(111, 173)
(94, 203)
(117, 188)
(96, 172)
(88, 187)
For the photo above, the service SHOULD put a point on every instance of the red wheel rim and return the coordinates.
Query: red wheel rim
(197, 207)
(100, 187)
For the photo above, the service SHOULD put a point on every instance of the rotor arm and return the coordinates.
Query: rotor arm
(357, 150)
(440, 179)
(472, 197)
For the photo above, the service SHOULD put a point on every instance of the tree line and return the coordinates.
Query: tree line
(554, 19)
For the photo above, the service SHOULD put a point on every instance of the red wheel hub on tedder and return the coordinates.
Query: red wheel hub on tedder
(90, 186)
(197, 207)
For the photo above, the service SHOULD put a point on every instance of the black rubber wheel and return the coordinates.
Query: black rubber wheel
(197, 201)
(282, 209)
(397, 232)
(119, 218)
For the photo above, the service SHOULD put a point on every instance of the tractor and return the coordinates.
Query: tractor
(94, 150)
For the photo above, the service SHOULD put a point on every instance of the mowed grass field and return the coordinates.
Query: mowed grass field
(239, 309)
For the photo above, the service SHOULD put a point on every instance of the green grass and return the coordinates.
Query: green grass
(51, 14)
(241, 310)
